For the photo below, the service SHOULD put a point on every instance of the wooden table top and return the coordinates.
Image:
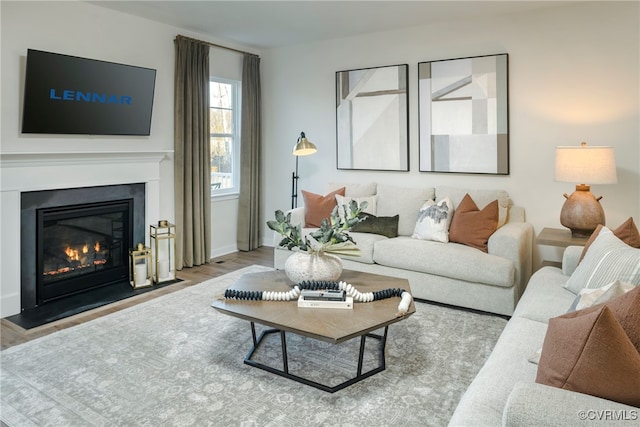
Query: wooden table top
(559, 237)
(325, 324)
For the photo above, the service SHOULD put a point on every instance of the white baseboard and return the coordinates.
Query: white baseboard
(224, 250)
(10, 304)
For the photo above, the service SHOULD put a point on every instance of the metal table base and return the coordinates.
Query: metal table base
(330, 389)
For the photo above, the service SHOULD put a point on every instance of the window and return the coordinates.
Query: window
(224, 114)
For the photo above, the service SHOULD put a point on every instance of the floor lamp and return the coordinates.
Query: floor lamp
(303, 147)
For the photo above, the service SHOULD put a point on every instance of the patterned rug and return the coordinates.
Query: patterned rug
(175, 361)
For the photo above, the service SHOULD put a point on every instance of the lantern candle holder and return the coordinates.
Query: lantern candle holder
(163, 248)
(140, 267)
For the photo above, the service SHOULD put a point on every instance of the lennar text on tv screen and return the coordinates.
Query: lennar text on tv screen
(71, 95)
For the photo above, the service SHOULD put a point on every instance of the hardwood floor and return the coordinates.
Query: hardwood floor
(12, 334)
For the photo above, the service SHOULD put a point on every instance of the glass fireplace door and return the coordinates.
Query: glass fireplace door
(81, 247)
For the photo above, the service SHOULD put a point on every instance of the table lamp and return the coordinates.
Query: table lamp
(303, 147)
(582, 212)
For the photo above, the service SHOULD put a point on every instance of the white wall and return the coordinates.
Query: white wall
(85, 30)
(573, 76)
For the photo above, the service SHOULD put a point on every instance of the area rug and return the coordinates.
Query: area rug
(175, 361)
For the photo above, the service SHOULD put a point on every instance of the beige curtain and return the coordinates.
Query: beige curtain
(249, 222)
(192, 158)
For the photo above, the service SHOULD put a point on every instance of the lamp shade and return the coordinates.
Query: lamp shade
(582, 212)
(585, 165)
(303, 147)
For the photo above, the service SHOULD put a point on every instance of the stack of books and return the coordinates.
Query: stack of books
(325, 299)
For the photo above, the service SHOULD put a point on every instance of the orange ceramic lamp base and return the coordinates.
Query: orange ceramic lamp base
(582, 212)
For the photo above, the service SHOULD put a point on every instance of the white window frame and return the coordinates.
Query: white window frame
(235, 137)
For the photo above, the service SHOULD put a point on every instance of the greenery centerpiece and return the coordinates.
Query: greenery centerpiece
(331, 237)
(315, 257)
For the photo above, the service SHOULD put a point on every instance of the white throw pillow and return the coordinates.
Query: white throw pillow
(590, 297)
(535, 357)
(434, 220)
(342, 200)
(608, 259)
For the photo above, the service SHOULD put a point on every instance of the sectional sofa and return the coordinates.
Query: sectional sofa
(505, 392)
(450, 273)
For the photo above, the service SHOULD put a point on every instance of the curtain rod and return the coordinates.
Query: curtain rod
(216, 45)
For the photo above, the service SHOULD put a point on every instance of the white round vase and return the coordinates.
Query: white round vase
(301, 266)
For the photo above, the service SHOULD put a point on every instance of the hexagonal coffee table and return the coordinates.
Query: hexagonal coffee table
(325, 324)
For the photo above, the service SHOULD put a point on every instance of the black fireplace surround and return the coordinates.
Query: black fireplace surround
(76, 239)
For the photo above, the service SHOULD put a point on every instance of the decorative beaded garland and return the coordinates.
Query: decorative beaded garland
(350, 290)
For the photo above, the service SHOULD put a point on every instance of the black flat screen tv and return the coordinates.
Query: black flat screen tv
(70, 95)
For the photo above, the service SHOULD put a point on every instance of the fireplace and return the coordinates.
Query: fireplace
(81, 247)
(75, 240)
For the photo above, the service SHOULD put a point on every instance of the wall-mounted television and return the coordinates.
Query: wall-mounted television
(70, 95)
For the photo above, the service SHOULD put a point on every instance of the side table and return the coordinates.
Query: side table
(560, 238)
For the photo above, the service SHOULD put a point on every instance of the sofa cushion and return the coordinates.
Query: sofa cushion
(627, 232)
(365, 242)
(589, 352)
(318, 207)
(354, 189)
(384, 225)
(481, 197)
(445, 259)
(434, 220)
(472, 226)
(608, 259)
(483, 402)
(545, 296)
(402, 201)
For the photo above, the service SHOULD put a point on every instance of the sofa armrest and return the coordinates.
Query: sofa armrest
(570, 259)
(516, 214)
(297, 216)
(514, 241)
(536, 405)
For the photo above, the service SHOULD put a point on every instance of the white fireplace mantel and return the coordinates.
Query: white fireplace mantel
(33, 171)
(31, 158)
(36, 171)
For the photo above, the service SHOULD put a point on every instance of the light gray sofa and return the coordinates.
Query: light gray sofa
(449, 273)
(504, 393)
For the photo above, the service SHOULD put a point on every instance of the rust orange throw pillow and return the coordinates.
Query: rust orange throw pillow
(472, 226)
(595, 351)
(317, 207)
(591, 354)
(626, 309)
(627, 232)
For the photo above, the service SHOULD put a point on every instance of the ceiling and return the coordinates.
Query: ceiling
(268, 24)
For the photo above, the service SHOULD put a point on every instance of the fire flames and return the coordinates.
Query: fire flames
(80, 257)
(73, 254)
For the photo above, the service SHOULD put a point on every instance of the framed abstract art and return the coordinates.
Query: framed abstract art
(372, 122)
(464, 115)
